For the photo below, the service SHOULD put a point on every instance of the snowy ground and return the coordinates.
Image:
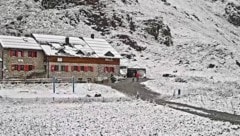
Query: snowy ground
(117, 118)
(202, 89)
(63, 90)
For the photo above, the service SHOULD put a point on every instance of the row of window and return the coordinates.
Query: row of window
(61, 68)
(108, 69)
(79, 68)
(73, 68)
(22, 67)
(20, 53)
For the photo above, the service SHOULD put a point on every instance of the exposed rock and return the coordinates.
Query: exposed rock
(129, 1)
(168, 75)
(180, 80)
(97, 95)
(159, 31)
(211, 66)
(63, 4)
(232, 12)
(237, 63)
(129, 41)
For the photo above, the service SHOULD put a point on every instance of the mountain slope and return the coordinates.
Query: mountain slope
(158, 35)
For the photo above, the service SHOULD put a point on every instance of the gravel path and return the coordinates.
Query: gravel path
(137, 90)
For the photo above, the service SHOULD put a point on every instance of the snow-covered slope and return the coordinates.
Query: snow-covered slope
(196, 32)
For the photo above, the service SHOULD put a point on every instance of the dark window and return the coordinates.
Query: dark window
(75, 68)
(111, 69)
(21, 67)
(30, 67)
(32, 54)
(105, 69)
(108, 69)
(89, 79)
(63, 68)
(110, 54)
(56, 68)
(14, 67)
(82, 68)
(13, 53)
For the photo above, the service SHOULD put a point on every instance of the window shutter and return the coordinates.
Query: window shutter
(29, 53)
(66, 68)
(72, 68)
(11, 53)
(108, 69)
(19, 67)
(79, 68)
(33, 67)
(113, 69)
(85, 68)
(35, 54)
(26, 68)
(22, 53)
(52, 68)
(91, 69)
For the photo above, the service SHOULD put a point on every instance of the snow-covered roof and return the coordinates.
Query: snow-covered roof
(19, 42)
(48, 50)
(54, 45)
(43, 38)
(102, 48)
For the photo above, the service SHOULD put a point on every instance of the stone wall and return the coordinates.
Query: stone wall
(37, 62)
(77, 74)
(98, 71)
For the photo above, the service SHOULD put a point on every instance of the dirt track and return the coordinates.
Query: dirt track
(137, 90)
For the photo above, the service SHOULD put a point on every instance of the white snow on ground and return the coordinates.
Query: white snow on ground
(108, 119)
(212, 91)
(63, 90)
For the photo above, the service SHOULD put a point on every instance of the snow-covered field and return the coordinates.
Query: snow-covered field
(202, 89)
(130, 118)
(63, 90)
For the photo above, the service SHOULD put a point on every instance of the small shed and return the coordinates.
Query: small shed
(132, 71)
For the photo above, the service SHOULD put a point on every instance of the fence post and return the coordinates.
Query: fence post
(73, 84)
(54, 80)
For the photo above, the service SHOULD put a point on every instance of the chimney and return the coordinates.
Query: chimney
(92, 36)
(67, 40)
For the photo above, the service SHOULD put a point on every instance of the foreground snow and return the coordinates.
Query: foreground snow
(63, 90)
(118, 118)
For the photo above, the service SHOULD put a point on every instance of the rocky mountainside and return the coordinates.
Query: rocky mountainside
(192, 35)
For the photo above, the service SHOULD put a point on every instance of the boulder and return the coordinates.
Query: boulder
(97, 95)
(180, 80)
(232, 13)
